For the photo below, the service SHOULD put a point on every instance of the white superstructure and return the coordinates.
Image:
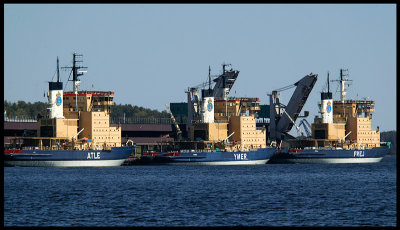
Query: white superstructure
(327, 111)
(207, 110)
(55, 97)
(56, 103)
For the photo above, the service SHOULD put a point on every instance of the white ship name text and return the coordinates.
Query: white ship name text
(93, 155)
(240, 156)
(358, 153)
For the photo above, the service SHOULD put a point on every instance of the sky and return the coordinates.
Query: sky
(149, 54)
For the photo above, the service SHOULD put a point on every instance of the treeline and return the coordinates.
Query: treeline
(118, 111)
(23, 109)
(31, 110)
(390, 136)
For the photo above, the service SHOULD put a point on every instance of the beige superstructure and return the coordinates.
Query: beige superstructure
(75, 120)
(86, 122)
(246, 133)
(234, 127)
(351, 124)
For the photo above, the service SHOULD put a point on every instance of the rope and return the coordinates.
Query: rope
(65, 86)
(285, 88)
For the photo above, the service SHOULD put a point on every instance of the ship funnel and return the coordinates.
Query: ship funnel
(56, 97)
(207, 106)
(327, 106)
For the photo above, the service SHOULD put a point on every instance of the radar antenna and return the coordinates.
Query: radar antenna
(75, 70)
(75, 74)
(342, 81)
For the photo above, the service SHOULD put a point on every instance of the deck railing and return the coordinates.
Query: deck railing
(146, 120)
(19, 119)
(127, 120)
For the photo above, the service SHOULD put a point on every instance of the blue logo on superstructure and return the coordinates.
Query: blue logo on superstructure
(329, 107)
(210, 106)
(58, 100)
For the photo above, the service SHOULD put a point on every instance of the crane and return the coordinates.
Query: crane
(178, 130)
(306, 126)
(281, 125)
(297, 127)
(223, 84)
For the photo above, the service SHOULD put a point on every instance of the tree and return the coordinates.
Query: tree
(23, 109)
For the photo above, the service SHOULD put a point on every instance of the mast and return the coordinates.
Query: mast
(328, 81)
(75, 70)
(209, 78)
(342, 85)
(342, 81)
(342, 90)
(58, 71)
(76, 74)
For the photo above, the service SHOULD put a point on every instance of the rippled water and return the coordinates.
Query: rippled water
(267, 195)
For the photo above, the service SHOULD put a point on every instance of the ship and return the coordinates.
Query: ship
(342, 134)
(221, 130)
(74, 131)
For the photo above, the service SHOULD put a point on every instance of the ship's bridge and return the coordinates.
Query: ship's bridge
(353, 108)
(233, 106)
(88, 101)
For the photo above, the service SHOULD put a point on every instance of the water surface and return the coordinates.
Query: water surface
(259, 195)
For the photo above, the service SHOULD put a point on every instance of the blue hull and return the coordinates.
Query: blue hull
(69, 158)
(373, 155)
(204, 157)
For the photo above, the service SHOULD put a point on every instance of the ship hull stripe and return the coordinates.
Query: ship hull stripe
(255, 162)
(260, 156)
(329, 160)
(322, 156)
(69, 158)
(83, 163)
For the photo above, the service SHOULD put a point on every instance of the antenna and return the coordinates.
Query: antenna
(342, 80)
(58, 71)
(328, 81)
(74, 70)
(209, 78)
